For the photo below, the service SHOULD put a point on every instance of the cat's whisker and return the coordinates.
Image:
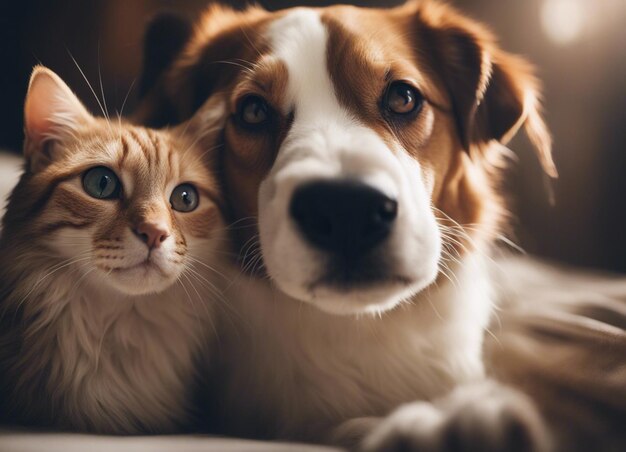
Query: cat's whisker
(245, 248)
(190, 300)
(76, 284)
(104, 101)
(204, 301)
(256, 252)
(132, 85)
(211, 149)
(181, 133)
(199, 136)
(253, 223)
(104, 113)
(65, 263)
(253, 250)
(209, 267)
(200, 300)
(214, 293)
(207, 283)
(50, 272)
(225, 253)
(185, 288)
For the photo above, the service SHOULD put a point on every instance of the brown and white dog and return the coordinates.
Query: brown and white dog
(365, 147)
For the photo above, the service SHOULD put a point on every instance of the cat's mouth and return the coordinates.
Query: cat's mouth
(146, 276)
(145, 265)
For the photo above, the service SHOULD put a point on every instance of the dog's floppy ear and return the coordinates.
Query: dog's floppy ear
(164, 39)
(194, 67)
(493, 93)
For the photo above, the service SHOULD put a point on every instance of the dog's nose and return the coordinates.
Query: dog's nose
(345, 217)
(153, 234)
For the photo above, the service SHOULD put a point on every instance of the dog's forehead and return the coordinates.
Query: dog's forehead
(299, 39)
(339, 53)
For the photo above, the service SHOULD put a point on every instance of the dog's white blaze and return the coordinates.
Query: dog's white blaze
(299, 40)
(328, 139)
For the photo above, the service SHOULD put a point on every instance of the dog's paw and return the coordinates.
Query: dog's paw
(485, 417)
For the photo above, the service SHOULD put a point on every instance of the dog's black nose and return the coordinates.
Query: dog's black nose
(345, 217)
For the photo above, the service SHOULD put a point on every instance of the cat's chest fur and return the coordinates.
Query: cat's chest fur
(96, 360)
(291, 370)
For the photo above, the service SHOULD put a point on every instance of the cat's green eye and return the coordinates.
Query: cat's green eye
(184, 198)
(101, 183)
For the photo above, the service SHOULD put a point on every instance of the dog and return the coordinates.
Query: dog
(361, 160)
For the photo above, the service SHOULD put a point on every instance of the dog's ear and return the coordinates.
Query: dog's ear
(164, 39)
(493, 93)
(209, 57)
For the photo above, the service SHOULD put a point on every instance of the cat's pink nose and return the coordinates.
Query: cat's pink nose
(153, 234)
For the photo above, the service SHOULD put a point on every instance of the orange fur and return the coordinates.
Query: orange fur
(88, 340)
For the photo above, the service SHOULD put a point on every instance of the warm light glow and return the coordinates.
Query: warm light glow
(563, 20)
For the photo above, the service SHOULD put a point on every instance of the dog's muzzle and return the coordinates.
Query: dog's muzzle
(345, 218)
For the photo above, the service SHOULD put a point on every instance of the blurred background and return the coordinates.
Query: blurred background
(578, 46)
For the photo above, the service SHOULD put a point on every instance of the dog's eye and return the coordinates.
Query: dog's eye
(253, 111)
(184, 198)
(101, 183)
(402, 99)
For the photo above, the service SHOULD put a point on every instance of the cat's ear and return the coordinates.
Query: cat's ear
(207, 124)
(52, 113)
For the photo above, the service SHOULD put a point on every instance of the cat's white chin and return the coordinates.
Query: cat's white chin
(142, 279)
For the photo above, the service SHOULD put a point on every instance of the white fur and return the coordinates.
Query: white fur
(325, 141)
(306, 371)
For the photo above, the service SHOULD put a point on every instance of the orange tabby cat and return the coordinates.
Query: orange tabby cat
(104, 281)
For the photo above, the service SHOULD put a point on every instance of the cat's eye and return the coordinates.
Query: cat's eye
(102, 183)
(184, 198)
(402, 99)
(253, 111)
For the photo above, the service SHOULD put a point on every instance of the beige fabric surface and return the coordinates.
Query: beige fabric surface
(64, 442)
(10, 167)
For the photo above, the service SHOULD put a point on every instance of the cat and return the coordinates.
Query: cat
(110, 243)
